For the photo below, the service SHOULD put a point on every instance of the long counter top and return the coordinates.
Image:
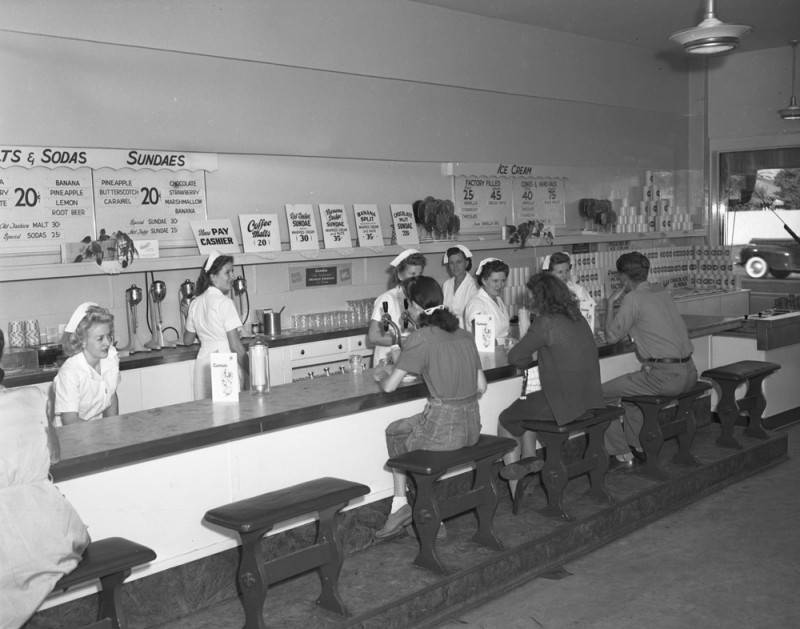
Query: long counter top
(115, 441)
(175, 354)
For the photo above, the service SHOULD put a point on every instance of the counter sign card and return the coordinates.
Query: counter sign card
(405, 228)
(215, 235)
(335, 230)
(368, 225)
(302, 226)
(260, 232)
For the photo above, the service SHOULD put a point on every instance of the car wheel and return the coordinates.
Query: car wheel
(756, 267)
(781, 275)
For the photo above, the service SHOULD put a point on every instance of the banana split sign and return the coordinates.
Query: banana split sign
(70, 157)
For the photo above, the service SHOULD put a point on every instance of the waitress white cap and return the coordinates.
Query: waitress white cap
(484, 261)
(211, 257)
(546, 261)
(467, 253)
(402, 256)
(80, 313)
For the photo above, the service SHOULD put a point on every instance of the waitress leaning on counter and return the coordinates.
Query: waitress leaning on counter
(86, 384)
(492, 274)
(407, 264)
(213, 319)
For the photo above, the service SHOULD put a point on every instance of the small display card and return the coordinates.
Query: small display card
(215, 235)
(483, 326)
(368, 225)
(335, 229)
(224, 377)
(302, 226)
(260, 232)
(405, 228)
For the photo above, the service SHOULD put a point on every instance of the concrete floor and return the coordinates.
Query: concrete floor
(730, 560)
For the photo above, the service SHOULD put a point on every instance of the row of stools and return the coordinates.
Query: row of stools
(664, 417)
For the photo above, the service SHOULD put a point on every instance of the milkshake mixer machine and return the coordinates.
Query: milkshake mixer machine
(133, 297)
(186, 294)
(156, 294)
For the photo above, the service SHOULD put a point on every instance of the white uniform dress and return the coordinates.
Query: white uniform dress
(585, 302)
(211, 316)
(394, 297)
(482, 303)
(79, 388)
(457, 300)
(41, 535)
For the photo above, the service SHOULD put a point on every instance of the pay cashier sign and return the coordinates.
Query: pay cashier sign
(215, 235)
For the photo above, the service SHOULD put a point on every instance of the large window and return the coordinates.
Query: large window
(759, 193)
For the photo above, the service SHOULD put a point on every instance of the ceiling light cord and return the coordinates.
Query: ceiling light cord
(792, 112)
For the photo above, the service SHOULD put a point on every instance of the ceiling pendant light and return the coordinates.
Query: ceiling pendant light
(792, 112)
(710, 37)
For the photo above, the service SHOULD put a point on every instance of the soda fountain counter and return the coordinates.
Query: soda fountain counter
(773, 336)
(159, 470)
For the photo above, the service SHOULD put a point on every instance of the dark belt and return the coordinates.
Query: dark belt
(669, 360)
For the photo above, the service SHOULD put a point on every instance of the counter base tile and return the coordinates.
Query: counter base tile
(380, 585)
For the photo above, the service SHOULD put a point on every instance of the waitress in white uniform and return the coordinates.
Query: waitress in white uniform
(461, 287)
(560, 265)
(212, 318)
(492, 274)
(85, 387)
(408, 263)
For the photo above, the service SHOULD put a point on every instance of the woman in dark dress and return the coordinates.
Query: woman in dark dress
(569, 370)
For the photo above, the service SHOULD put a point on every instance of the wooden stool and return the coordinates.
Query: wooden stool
(727, 378)
(682, 425)
(556, 473)
(111, 561)
(253, 517)
(425, 467)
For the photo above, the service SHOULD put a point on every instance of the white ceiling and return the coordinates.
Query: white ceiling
(644, 23)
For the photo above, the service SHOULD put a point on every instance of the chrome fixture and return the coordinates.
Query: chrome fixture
(711, 36)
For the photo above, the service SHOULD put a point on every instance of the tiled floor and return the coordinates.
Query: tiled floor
(731, 560)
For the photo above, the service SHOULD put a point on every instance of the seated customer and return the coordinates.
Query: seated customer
(569, 370)
(86, 384)
(447, 359)
(649, 315)
(41, 536)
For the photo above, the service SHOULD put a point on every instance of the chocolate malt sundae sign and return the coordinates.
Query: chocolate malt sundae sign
(260, 232)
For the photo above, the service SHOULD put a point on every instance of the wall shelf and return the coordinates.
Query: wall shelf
(26, 271)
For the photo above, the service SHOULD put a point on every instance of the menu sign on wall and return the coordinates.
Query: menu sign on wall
(149, 203)
(41, 207)
(482, 203)
(335, 230)
(368, 225)
(302, 226)
(405, 228)
(260, 232)
(540, 198)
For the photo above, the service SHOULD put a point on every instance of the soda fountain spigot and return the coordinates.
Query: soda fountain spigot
(406, 319)
(386, 320)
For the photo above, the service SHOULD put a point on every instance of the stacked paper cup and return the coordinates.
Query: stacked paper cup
(32, 335)
(16, 334)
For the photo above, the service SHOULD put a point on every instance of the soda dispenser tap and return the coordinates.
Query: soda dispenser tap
(386, 320)
(406, 319)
